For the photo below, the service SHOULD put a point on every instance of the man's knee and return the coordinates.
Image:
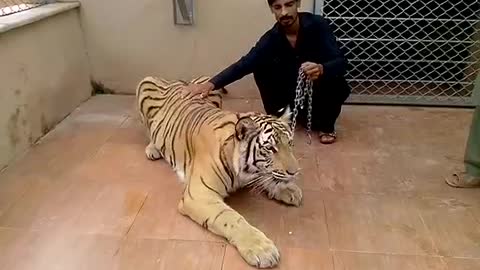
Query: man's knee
(337, 91)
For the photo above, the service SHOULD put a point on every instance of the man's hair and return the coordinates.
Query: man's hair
(270, 2)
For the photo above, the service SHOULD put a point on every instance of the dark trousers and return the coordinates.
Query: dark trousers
(328, 98)
(472, 153)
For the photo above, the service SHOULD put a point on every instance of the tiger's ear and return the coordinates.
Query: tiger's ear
(244, 126)
(286, 116)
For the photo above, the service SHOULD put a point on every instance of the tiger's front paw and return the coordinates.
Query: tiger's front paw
(152, 152)
(257, 250)
(290, 194)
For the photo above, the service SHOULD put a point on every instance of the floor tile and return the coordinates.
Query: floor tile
(40, 205)
(156, 254)
(158, 214)
(463, 264)
(302, 227)
(52, 158)
(141, 254)
(375, 223)
(131, 131)
(77, 206)
(365, 261)
(114, 162)
(113, 210)
(56, 250)
(194, 255)
(355, 173)
(454, 229)
(108, 104)
(12, 188)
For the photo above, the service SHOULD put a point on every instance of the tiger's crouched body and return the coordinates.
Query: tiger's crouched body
(215, 152)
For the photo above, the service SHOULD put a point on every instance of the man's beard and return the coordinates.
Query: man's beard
(287, 21)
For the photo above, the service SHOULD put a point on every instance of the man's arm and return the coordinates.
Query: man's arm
(243, 66)
(337, 63)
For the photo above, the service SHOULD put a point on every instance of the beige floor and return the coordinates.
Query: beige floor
(87, 198)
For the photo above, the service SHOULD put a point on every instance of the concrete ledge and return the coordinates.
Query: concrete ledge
(25, 17)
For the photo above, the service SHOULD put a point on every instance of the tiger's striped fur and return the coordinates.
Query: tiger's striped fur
(216, 152)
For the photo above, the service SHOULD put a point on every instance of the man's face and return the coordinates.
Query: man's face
(285, 11)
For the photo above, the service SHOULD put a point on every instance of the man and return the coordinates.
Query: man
(297, 40)
(469, 176)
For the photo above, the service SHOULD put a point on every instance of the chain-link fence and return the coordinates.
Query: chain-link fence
(8, 7)
(408, 51)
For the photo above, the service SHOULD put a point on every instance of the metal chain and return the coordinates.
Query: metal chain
(304, 88)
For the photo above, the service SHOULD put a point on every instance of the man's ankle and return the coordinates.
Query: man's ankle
(472, 170)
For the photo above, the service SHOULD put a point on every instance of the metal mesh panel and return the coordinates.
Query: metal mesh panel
(408, 51)
(13, 6)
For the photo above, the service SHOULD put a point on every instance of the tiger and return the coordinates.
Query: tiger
(216, 152)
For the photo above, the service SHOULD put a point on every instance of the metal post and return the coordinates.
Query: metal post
(318, 6)
(183, 12)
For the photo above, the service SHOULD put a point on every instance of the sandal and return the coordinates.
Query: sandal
(328, 138)
(462, 180)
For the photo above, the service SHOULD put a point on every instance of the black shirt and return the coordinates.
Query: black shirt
(275, 62)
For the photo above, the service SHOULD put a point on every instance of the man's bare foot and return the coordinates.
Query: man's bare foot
(463, 180)
(327, 138)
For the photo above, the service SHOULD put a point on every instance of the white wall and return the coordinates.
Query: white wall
(44, 75)
(127, 40)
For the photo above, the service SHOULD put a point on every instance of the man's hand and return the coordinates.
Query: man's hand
(312, 70)
(198, 89)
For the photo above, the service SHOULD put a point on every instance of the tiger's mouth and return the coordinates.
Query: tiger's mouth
(284, 176)
(265, 180)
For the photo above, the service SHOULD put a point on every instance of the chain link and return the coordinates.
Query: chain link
(424, 52)
(304, 89)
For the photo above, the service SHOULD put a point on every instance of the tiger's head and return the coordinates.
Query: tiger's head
(266, 150)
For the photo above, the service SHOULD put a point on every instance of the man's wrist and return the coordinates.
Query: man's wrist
(320, 67)
(211, 85)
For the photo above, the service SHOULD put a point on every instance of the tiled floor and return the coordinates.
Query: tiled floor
(87, 198)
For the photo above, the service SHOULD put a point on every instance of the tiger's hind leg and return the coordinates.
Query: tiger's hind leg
(289, 193)
(152, 152)
(204, 205)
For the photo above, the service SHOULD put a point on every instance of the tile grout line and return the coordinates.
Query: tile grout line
(328, 234)
(136, 215)
(444, 263)
(326, 224)
(333, 259)
(95, 153)
(223, 257)
(97, 150)
(391, 253)
(419, 213)
(475, 218)
(16, 200)
(131, 225)
(326, 220)
(403, 254)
